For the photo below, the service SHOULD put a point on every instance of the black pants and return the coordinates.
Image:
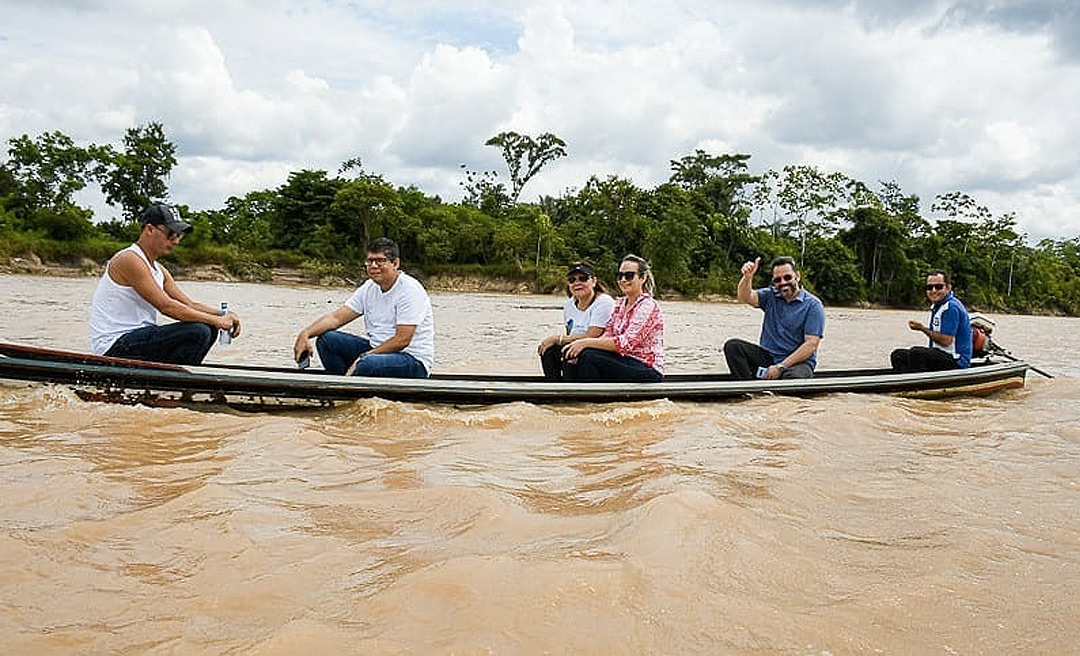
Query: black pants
(596, 364)
(173, 343)
(744, 358)
(922, 358)
(551, 362)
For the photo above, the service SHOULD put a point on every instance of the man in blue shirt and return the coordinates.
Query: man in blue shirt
(949, 332)
(791, 331)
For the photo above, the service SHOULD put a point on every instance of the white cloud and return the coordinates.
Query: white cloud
(455, 95)
(221, 178)
(979, 100)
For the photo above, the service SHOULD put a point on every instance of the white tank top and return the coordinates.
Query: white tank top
(118, 309)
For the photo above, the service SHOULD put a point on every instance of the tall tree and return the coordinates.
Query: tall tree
(47, 170)
(484, 192)
(455, 234)
(302, 205)
(833, 271)
(957, 242)
(877, 240)
(604, 221)
(765, 201)
(673, 234)
(721, 192)
(8, 186)
(135, 177)
(719, 181)
(525, 156)
(807, 193)
(363, 209)
(251, 220)
(960, 206)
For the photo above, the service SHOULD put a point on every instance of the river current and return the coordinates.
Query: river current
(839, 524)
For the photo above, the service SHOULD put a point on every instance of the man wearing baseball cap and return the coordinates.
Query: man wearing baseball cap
(136, 287)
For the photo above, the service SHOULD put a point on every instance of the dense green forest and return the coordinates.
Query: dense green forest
(856, 242)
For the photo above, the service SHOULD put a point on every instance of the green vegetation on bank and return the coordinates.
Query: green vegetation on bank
(856, 244)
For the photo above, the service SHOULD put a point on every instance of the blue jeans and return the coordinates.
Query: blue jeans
(596, 364)
(174, 343)
(338, 350)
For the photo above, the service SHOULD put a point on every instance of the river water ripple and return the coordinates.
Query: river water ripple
(840, 524)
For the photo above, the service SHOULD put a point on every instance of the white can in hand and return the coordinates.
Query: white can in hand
(224, 336)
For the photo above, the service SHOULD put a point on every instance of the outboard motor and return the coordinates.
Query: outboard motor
(982, 327)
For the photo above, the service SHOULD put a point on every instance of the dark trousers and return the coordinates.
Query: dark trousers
(922, 358)
(174, 343)
(595, 365)
(552, 363)
(744, 358)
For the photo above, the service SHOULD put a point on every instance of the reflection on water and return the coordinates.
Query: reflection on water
(847, 523)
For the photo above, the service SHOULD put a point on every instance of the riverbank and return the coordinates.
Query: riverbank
(299, 277)
(291, 276)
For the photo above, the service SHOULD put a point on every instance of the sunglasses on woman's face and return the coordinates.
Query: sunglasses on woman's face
(787, 277)
(581, 277)
(626, 275)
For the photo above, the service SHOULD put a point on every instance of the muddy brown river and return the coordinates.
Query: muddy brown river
(833, 525)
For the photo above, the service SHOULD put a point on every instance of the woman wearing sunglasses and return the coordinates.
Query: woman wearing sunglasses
(585, 314)
(631, 347)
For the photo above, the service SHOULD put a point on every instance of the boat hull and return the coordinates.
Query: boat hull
(117, 380)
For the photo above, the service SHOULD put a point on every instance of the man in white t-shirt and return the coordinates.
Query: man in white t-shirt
(400, 340)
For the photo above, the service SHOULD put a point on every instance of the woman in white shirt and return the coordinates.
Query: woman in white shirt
(585, 314)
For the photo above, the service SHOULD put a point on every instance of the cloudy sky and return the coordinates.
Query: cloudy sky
(981, 97)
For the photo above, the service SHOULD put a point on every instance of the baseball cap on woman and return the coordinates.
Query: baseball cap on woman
(581, 267)
(166, 215)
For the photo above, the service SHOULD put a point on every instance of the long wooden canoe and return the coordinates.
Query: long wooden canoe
(118, 380)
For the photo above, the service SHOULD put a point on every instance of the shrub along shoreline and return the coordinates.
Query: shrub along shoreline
(450, 280)
(857, 245)
(298, 276)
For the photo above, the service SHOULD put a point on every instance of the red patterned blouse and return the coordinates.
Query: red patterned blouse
(638, 331)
